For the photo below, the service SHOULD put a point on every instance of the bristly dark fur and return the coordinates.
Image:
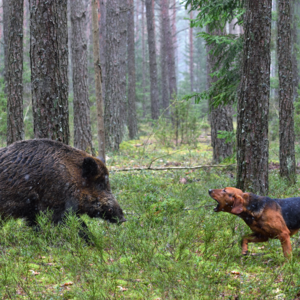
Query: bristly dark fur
(36, 175)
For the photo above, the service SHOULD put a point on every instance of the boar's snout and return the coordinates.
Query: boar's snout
(115, 214)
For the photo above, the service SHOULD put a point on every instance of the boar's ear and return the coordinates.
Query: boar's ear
(89, 167)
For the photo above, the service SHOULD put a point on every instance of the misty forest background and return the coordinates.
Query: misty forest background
(181, 68)
(96, 74)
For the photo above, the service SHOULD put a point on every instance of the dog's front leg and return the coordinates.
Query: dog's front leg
(252, 238)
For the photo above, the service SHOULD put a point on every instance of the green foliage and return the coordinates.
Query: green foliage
(181, 127)
(215, 13)
(227, 48)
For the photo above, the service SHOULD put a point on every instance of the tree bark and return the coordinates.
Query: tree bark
(152, 60)
(98, 81)
(294, 39)
(15, 125)
(137, 13)
(113, 118)
(174, 35)
(6, 26)
(286, 93)
(81, 103)
(253, 100)
(143, 62)
(102, 37)
(123, 20)
(191, 55)
(220, 117)
(132, 121)
(49, 69)
(170, 51)
(163, 62)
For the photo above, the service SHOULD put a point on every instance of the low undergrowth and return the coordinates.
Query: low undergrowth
(173, 245)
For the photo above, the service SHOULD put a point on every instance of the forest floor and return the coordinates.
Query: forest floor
(173, 246)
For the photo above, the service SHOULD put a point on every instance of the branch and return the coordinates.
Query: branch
(170, 168)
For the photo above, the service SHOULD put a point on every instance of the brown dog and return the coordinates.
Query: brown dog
(268, 218)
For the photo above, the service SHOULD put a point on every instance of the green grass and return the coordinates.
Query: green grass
(173, 245)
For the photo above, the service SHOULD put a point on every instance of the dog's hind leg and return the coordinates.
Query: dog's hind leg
(286, 244)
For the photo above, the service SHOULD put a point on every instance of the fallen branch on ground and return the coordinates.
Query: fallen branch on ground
(169, 168)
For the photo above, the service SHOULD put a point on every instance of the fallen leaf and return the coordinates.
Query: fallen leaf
(34, 272)
(67, 283)
(235, 272)
(122, 288)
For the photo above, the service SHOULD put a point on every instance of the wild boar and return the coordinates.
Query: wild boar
(41, 174)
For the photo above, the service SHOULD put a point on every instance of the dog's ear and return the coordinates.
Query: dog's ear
(246, 197)
(237, 205)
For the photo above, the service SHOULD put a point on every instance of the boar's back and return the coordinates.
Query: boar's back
(39, 174)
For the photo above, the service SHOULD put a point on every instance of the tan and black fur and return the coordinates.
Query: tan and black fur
(268, 218)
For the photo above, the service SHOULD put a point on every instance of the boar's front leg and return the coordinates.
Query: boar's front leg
(84, 231)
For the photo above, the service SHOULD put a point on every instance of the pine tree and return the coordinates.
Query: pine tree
(253, 100)
(49, 69)
(14, 82)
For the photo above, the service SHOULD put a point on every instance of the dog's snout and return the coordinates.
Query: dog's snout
(209, 191)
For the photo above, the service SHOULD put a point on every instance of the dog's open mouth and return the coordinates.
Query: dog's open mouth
(216, 209)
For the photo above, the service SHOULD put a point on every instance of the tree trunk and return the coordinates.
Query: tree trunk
(170, 50)
(152, 60)
(220, 117)
(294, 38)
(253, 100)
(6, 26)
(174, 35)
(137, 13)
(286, 93)
(102, 32)
(82, 121)
(49, 69)
(132, 121)
(15, 125)
(123, 20)
(98, 81)
(191, 55)
(163, 62)
(143, 62)
(113, 118)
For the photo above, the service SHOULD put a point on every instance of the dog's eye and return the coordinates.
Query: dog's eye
(230, 195)
(224, 191)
